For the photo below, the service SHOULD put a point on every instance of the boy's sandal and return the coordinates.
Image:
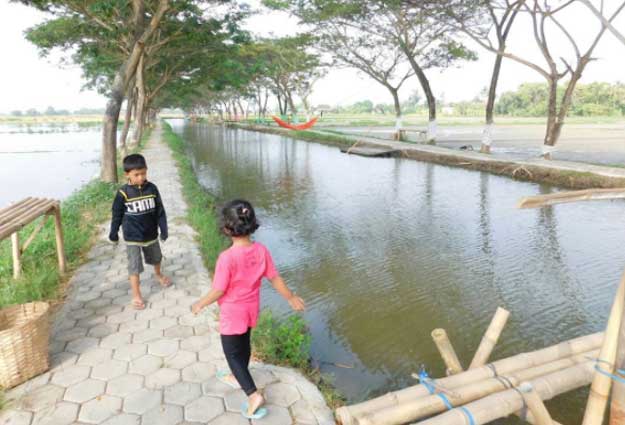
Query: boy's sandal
(222, 376)
(138, 305)
(260, 413)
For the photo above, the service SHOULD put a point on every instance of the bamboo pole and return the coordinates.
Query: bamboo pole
(505, 403)
(490, 338)
(571, 196)
(535, 405)
(600, 389)
(346, 415)
(419, 408)
(60, 246)
(15, 249)
(447, 351)
(617, 408)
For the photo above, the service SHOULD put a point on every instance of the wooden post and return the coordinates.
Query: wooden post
(447, 351)
(15, 247)
(535, 405)
(490, 338)
(60, 246)
(600, 389)
(617, 408)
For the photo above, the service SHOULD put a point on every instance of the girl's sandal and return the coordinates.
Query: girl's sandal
(223, 375)
(260, 413)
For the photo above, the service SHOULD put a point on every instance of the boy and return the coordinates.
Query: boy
(138, 208)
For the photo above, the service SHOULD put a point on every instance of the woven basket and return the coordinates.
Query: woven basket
(24, 334)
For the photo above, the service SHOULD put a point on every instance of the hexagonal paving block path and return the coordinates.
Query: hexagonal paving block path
(111, 364)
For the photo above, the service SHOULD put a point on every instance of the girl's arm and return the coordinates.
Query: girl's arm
(295, 302)
(212, 296)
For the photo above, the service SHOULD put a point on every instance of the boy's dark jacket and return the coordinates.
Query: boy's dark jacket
(140, 212)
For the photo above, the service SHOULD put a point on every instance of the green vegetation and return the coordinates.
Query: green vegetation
(283, 342)
(40, 278)
(595, 99)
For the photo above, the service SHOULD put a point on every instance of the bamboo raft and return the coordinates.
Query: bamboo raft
(517, 385)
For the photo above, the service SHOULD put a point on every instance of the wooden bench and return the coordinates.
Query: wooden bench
(15, 217)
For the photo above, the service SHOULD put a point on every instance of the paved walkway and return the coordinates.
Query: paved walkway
(114, 365)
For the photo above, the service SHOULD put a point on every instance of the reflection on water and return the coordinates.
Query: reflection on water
(384, 250)
(46, 163)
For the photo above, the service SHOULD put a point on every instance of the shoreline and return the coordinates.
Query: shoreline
(564, 174)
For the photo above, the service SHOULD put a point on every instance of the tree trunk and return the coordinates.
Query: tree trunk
(265, 104)
(487, 135)
(108, 162)
(129, 106)
(141, 103)
(397, 106)
(289, 97)
(425, 85)
(556, 118)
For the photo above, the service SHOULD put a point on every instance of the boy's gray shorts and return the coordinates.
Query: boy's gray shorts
(152, 254)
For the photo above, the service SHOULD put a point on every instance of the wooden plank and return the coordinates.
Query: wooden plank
(13, 209)
(571, 196)
(60, 246)
(18, 223)
(31, 205)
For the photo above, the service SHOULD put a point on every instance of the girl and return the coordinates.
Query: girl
(236, 288)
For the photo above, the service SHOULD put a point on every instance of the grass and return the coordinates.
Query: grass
(286, 342)
(40, 279)
(277, 341)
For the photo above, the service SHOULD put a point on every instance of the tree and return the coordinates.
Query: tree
(424, 33)
(488, 19)
(16, 113)
(543, 15)
(85, 27)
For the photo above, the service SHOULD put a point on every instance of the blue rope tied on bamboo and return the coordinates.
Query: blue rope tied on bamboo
(618, 376)
(468, 414)
(428, 383)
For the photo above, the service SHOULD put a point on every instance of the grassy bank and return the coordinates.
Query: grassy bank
(40, 279)
(276, 341)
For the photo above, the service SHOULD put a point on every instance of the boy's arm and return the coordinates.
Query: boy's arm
(162, 216)
(117, 216)
(212, 296)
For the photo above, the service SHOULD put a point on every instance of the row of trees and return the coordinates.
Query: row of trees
(528, 100)
(195, 55)
(377, 36)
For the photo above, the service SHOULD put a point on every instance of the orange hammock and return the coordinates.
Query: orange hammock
(304, 126)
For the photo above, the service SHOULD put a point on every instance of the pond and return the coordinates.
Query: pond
(386, 249)
(47, 160)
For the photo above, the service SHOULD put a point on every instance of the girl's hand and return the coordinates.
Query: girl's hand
(197, 307)
(297, 303)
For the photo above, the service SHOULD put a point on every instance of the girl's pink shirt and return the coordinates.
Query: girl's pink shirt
(238, 273)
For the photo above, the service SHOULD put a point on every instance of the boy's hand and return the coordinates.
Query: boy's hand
(114, 239)
(297, 303)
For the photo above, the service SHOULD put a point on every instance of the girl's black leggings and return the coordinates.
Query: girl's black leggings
(238, 350)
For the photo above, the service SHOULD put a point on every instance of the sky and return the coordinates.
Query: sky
(30, 81)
